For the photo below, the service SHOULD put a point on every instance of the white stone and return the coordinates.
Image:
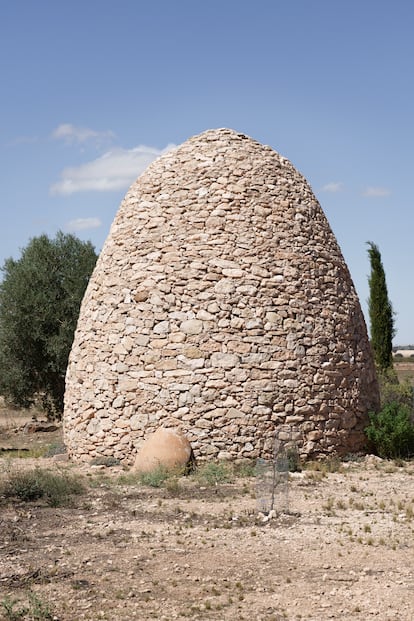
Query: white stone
(225, 361)
(163, 327)
(191, 326)
(118, 402)
(225, 286)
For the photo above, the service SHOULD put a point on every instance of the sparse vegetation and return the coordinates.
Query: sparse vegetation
(34, 609)
(212, 473)
(156, 477)
(35, 484)
(106, 555)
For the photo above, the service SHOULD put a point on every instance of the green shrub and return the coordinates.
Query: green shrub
(156, 477)
(246, 468)
(391, 431)
(212, 473)
(30, 485)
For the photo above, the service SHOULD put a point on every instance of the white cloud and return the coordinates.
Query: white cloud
(372, 191)
(333, 186)
(71, 134)
(83, 224)
(115, 170)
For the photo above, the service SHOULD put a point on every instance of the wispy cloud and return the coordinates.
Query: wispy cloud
(71, 134)
(115, 170)
(376, 191)
(83, 224)
(333, 186)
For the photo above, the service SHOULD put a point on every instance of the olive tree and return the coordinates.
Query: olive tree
(40, 296)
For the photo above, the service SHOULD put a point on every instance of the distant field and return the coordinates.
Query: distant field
(405, 369)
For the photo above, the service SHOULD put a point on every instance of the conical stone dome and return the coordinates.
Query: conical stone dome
(220, 304)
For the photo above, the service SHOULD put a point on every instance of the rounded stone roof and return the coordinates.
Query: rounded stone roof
(220, 304)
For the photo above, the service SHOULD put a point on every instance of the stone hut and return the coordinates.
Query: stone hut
(220, 304)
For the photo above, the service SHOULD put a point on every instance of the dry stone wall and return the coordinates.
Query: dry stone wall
(220, 304)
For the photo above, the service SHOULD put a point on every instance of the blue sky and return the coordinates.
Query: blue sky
(93, 90)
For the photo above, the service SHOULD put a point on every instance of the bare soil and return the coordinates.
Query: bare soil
(344, 549)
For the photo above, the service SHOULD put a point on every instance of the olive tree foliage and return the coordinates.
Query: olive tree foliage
(40, 297)
(381, 314)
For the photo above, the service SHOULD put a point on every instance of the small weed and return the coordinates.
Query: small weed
(12, 610)
(247, 468)
(35, 610)
(212, 473)
(315, 476)
(359, 506)
(40, 610)
(128, 478)
(154, 478)
(172, 484)
(329, 505)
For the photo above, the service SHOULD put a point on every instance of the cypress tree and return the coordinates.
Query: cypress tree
(381, 314)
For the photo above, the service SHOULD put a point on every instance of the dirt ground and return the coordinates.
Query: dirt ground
(342, 549)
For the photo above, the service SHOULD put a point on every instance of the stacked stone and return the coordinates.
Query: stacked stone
(220, 304)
